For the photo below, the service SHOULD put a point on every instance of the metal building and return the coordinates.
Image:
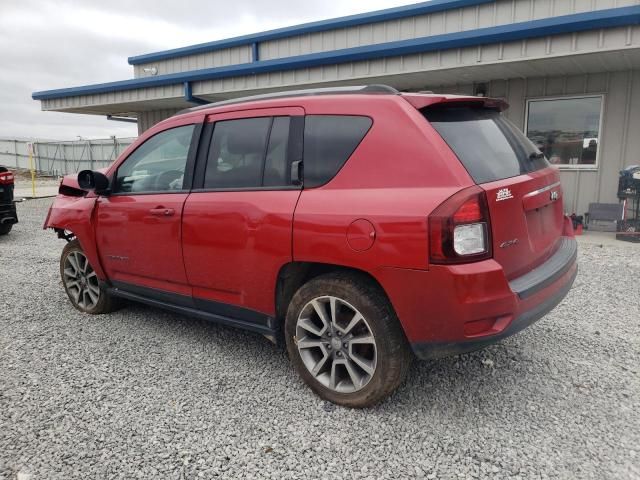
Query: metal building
(570, 69)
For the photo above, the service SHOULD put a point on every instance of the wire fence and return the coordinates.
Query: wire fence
(62, 158)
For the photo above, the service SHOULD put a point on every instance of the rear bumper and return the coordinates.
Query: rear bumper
(450, 310)
(439, 350)
(8, 214)
(549, 272)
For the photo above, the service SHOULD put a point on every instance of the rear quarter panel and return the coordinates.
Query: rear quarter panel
(397, 175)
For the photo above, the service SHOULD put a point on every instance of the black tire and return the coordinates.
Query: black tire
(5, 228)
(393, 354)
(105, 302)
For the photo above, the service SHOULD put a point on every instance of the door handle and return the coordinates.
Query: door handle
(162, 212)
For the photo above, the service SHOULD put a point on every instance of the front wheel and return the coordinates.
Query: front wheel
(345, 340)
(81, 283)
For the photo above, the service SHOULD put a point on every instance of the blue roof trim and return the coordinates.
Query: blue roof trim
(614, 17)
(320, 26)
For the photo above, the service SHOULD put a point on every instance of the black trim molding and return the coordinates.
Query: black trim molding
(547, 273)
(196, 307)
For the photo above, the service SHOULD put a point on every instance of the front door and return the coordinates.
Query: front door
(237, 223)
(138, 226)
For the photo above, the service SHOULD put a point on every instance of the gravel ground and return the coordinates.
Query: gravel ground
(147, 394)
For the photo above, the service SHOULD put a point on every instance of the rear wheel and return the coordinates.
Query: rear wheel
(4, 228)
(81, 283)
(345, 341)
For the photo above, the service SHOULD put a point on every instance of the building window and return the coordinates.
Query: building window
(567, 130)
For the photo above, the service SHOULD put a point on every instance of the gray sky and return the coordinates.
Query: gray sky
(48, 44)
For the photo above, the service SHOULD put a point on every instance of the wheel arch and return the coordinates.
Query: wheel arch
(293, 275)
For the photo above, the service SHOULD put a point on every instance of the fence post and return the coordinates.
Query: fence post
(33, 172)
(90, 154)
(37, 157)
(115, 148)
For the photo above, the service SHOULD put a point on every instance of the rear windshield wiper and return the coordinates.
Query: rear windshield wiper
(536, 156)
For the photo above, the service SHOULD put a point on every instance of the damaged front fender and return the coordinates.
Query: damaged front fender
(76, 215)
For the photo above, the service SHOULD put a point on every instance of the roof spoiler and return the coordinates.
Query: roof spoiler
(423, 101)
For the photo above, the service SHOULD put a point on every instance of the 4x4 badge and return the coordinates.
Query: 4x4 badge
(503, 194)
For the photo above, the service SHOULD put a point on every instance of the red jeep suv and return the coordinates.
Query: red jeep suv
(361, 225)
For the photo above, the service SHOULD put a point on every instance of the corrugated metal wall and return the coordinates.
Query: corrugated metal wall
(440, 66)
(218, 58)
(569, 53)
(500, 12)
(488, 15)
(147, 120)
(117, 97)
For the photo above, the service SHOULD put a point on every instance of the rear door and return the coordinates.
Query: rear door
(523, 191)
(237, 222)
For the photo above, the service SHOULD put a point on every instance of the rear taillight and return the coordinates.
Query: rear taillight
(6, 178)
(459, 229)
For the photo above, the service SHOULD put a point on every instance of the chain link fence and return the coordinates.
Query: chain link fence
(62, 158)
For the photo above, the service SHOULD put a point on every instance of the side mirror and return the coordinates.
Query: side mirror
(93, 180)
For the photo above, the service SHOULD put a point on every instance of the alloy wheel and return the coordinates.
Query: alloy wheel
(336, 344)
(81, 281)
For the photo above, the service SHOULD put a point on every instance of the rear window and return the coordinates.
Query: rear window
(329, 140)
(489, 146)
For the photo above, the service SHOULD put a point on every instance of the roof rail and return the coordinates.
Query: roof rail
(377, 89)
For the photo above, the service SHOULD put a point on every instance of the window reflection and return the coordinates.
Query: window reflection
(566, 130)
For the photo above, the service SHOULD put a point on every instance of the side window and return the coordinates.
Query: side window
(157, 165)
(329, 140)
(237, 153)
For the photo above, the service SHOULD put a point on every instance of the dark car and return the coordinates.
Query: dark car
(361, 225)
(8, 215)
